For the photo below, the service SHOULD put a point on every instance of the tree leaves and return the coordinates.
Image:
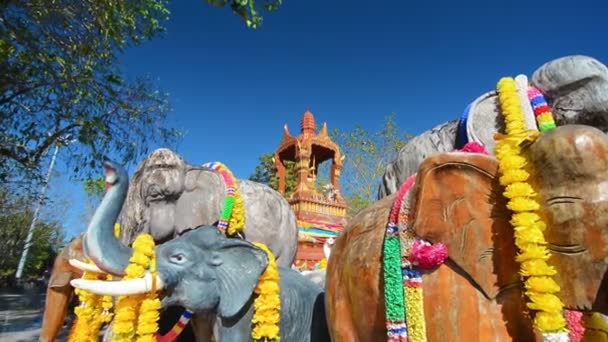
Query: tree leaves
(266, 173)
(15, 219)
(367, 154)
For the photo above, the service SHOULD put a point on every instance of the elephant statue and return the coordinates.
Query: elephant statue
(59, 292)
(204, 271)
(477, 293)
(576, 89)
(167, 196)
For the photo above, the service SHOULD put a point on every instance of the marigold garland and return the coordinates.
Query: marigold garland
(232, 217)
(137, 316)
(88, 313)
(267, 304)
(541, 289)
(90, 316)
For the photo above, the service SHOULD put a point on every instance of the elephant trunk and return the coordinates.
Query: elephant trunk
(100, 244)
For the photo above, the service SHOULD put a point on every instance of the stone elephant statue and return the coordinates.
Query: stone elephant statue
(576, 89)
(477, 294)
(59, 292)
(205, 271)
(166, 196)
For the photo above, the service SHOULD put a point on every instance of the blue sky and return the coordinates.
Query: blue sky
(351, 62)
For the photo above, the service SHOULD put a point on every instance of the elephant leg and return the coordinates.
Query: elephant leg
(202, 325)
(55, 311)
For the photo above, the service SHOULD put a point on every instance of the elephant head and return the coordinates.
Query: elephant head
(201, 270)
(458, 201)
(575, 87)
(203, 256)
(168, 196)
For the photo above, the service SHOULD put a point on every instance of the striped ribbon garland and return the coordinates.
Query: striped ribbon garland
(177, 328)
(542, 111)
(230, 183)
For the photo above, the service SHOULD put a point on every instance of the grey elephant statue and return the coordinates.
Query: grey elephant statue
(167, 196)
(204, 271)
(575, 87)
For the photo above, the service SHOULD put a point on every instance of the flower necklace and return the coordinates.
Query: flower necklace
(232, 217)
(267, 304)
(89, 315)
(541, 289)
(402, 258)
(137, 316)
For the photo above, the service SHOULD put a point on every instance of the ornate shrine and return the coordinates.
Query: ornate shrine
(321, 213)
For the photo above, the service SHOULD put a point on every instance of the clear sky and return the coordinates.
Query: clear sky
(351, 62)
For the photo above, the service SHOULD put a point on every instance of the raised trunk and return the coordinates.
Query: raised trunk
(101, 245)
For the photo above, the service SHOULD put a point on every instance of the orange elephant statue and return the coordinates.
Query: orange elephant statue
(477, 294)
(59, 292)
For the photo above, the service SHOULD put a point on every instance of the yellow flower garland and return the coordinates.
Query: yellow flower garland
(90, 317)
(267, 304)
(137, 316)
(541, 289)
(237, 219)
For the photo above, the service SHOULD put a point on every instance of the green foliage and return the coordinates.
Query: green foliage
(367, 155)
(266, 173)
(15, 219)
(95, 187)
(248, 9)
(59, 77)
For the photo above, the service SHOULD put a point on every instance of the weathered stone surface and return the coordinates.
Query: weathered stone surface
(576, 88)
(441, 138)
(571, 178)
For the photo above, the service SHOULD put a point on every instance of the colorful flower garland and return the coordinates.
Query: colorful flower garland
(541, 289)
(403, 256)
(267, 304)
(232, 217)
(543, 114)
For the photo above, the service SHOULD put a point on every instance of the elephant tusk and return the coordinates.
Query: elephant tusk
(85, 267)
(119, 288)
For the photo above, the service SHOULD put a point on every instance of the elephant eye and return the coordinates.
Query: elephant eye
(154, 192)
(178, 258)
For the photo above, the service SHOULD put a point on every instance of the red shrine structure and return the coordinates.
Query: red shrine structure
(321, 212)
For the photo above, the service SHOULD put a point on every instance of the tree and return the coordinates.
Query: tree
(60, 77)
(248, 9)
(367, 155)
(266, 173)
(15, 218)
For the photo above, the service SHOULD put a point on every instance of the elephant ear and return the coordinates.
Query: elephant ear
(459, 203)
(240, 265)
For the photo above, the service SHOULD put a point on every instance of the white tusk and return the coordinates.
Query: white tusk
(119, 288)
(83, 266)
